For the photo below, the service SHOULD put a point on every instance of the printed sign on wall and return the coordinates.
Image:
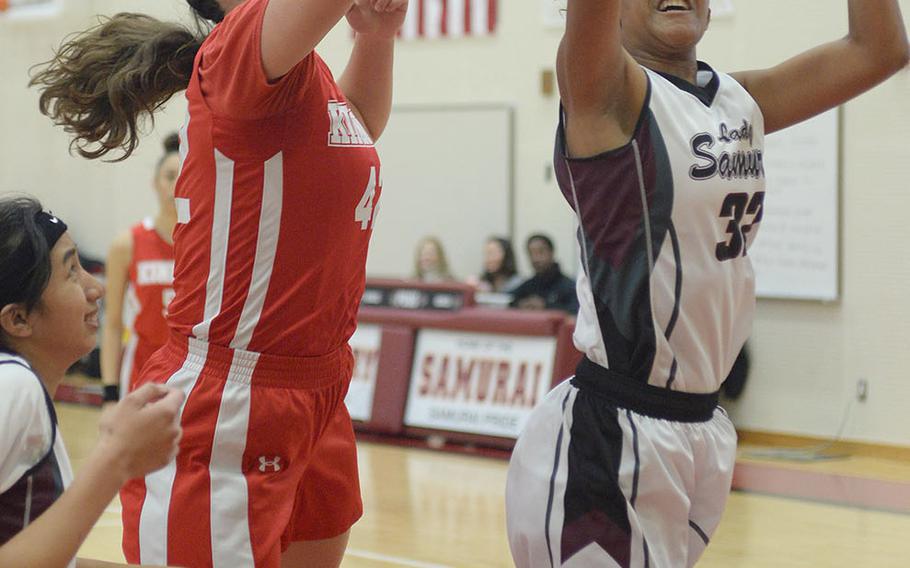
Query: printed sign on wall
(478, 383)
(365, 343)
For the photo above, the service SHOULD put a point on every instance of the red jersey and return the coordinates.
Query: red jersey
(150, 277)
(275, 201)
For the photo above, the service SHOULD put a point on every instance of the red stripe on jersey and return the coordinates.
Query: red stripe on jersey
(444, 24)
(491, 21)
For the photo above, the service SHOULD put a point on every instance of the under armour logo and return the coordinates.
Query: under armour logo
(275, 464)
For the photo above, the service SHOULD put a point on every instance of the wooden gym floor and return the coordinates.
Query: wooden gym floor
(428, 509)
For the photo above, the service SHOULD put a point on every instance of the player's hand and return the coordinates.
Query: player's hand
(381, 18)
(142, 432)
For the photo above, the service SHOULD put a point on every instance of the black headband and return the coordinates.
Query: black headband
(52, 227)
(17, 277)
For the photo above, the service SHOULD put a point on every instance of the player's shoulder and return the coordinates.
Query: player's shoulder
(17, 379)
(23, 392)
(27, 417)
(244, 19)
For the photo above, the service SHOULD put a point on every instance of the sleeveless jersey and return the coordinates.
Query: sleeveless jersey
(665, 223)
(150, 290)
(276, 201)
(34, 467)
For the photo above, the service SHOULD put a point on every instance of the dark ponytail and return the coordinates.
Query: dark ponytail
(207, 9)
(171, 145)
(104, 81)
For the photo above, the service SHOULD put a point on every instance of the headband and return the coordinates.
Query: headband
(17, 274)
(52, 228)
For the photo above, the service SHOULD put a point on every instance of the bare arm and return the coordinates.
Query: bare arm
(291, 29)
(601, 86)
(367, 79)
(116, 276)
(833, 73)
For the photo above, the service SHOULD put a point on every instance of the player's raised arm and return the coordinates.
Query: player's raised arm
(291, 30)
(367, 79)
(820, 79)
(601, 86)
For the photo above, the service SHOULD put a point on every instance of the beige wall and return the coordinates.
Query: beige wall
(806, 356)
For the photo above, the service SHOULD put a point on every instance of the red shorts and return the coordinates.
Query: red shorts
(267, 458)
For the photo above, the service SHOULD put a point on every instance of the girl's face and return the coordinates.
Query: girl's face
(166, 180)
(65, 320)
(429, 257)
(493, 255)
(668, 28)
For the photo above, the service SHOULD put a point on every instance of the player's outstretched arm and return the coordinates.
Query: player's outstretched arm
(291, 29)
(602, 88)
(367, 79)
(138, 435)
(833, 73)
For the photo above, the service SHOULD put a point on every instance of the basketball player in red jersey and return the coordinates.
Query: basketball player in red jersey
(275, 206)
(139, 277)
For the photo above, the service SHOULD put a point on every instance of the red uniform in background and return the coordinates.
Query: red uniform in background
(150, 276)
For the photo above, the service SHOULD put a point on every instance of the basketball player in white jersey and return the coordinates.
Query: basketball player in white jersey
(48, 320)
(629, 463)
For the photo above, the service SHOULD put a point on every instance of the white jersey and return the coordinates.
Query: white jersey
(667, 297)
(34, 467)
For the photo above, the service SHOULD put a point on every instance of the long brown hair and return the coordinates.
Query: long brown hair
(103, 82)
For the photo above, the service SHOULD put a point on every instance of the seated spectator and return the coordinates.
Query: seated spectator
(430, 264)
(499, 272)
(549, 288)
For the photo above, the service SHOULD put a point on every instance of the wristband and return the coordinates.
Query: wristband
(111, 393)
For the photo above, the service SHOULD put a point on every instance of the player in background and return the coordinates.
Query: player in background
(139, 275)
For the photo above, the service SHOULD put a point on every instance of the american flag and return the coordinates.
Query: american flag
(450, 18)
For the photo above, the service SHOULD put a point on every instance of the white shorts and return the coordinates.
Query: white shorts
(593, 483)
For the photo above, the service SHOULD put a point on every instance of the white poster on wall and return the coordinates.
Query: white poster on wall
(478, 383)
(796, 253)
(365, 343)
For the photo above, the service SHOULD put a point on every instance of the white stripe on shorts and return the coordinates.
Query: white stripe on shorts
(231, 544)
(158, 485)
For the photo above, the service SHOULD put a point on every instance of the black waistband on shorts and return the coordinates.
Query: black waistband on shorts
(642, 398)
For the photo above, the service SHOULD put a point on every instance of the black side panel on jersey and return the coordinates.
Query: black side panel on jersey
(605, 191)
(36, 491)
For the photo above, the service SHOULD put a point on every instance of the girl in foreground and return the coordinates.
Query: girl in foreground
(48, 320)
